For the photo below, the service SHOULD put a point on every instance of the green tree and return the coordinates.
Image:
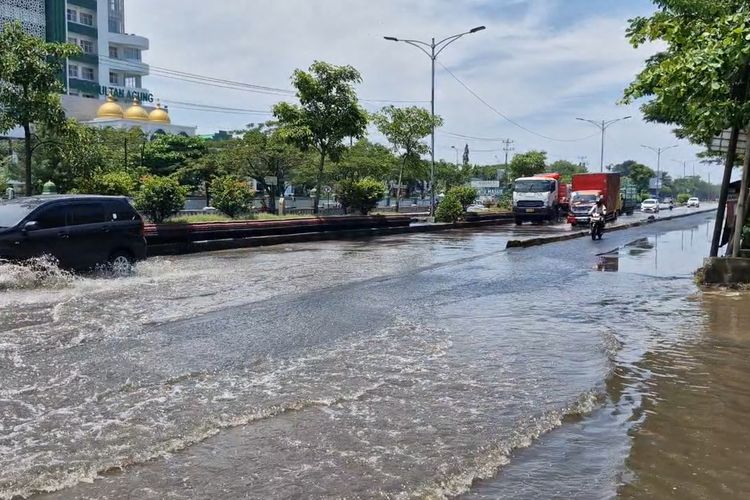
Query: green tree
(328, 113)
(566, 169)
(160, 197)
(264, 156)
(449, 210)
(623, 168)
(231, 195)
(166, 154)
(641, 175)
(448, 175)
(30, 85)
(116, 183)
(405, 128)
(361, 195)
(464, 194)
(527, 164)
(198, 173)
(364, 159)
(695, 82)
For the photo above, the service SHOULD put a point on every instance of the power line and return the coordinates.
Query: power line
(463, 136)
(507, 118)
(228, 84)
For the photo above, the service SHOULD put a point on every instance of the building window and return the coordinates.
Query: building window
(113, 53)
(87, 74)
(132, 54)
(131, 82)
(73, 71)
(114, 78)
(73, 40)
(72, 15)
(85, 18)
(87, 46)
(116, 16)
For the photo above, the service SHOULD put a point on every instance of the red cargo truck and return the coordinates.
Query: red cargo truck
(587, 188)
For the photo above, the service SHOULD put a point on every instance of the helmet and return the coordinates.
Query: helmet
(600, 201)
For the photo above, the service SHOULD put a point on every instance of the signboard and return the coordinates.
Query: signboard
(485, 184)
(271, 180)
(720, 143)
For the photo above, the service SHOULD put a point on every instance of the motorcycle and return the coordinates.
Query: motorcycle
(597, 226)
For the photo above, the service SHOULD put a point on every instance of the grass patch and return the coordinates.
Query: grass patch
(198, 218)
(219, 217)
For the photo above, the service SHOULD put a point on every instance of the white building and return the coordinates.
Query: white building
(110, 63)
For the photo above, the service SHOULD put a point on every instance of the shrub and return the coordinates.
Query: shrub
(682, 198)
(464, 194)
(231, 195)
(160, 197)
(450, 209)
(505, 202)
(117, 183)
(360, 196)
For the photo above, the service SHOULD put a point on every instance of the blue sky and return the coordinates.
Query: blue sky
(542, 63)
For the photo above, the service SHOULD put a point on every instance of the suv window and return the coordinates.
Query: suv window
(88, 213)
(51, 217)
(121, 211)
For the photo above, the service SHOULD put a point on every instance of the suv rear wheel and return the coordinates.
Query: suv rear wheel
(120, 263)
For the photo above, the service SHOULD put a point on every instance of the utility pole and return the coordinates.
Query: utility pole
(507, 148)
(582, 161)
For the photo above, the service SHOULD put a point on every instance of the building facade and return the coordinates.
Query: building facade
(109, 68)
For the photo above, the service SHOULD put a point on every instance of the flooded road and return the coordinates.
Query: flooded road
(420, 366)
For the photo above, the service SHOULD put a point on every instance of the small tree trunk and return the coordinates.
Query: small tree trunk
(319, 186)
(398, 192)
(27, 159)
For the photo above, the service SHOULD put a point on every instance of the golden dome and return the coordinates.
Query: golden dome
(136, 112)
(159, 115)
(110, 109)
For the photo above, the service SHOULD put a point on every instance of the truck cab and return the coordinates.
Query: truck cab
(536, 199)
(587, 188)
(580, 205)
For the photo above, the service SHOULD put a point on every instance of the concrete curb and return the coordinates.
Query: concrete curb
(544, 240)
(188, 247)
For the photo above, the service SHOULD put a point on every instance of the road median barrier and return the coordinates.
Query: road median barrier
(175, 239)
(544, 240)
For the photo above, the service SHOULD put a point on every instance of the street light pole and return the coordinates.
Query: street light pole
(435, 48)
(658, 152)
(603, 126)
(454, 147)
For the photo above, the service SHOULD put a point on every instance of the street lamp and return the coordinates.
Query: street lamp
(603, 126)
(433, 50)
(454, 147)
(658, 152)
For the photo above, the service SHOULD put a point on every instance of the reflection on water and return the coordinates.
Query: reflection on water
(694, 442)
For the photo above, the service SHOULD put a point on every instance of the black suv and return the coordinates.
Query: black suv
(81, 232)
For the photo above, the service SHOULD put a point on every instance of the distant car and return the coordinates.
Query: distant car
(650, 205)
(81, 232)
(694, 202)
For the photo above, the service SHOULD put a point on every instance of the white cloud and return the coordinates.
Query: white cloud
(540, 74)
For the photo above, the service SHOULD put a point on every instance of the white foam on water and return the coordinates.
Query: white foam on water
(136, 422)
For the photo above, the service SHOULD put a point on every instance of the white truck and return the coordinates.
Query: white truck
(537, 199)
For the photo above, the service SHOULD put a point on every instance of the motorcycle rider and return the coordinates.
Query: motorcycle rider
(599, 208)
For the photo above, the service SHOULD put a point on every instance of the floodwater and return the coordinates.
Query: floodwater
(424, 366)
